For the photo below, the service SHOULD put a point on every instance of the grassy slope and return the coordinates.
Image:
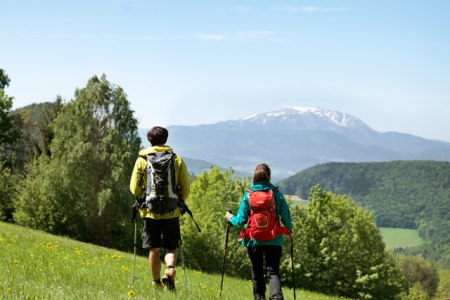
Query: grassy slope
(37, 265)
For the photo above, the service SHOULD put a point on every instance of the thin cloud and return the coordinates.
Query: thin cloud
(237, 36)
(311, 9)
(211, 37)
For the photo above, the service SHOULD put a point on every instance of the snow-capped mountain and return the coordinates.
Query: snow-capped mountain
(307, 117)
(294, 138)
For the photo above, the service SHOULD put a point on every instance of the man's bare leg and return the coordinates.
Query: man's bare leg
(171, 257)
(155, 263)
(169, 275)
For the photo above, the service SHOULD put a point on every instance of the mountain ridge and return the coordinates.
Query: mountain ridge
(291, 113)
(294, 138)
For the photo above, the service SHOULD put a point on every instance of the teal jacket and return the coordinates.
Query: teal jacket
(281, 211)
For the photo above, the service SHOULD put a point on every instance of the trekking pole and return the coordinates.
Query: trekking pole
(134, 220)
(225, 254)
(182, 263)
(134, 267)
(134, 217)
(292, 262)
(186, 208)
(196, 225)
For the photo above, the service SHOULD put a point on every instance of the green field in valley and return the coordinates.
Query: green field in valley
(393, 237)
(400, 238)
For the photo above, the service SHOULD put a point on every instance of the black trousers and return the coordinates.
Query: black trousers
(272, 256)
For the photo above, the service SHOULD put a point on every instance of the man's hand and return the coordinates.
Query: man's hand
(183, 207)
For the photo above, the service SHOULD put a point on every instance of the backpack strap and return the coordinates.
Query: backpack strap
(277, 209)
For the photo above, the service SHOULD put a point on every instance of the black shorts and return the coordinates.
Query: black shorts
(153, 229)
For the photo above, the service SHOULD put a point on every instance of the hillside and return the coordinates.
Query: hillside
(404, 194)
(37, 265)
(294, 138)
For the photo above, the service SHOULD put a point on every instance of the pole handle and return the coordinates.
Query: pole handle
(228, 222)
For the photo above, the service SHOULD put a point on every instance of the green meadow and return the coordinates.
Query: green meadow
(400, 238)
(37, 265)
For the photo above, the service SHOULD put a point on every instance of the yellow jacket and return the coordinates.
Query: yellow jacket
(138, 181)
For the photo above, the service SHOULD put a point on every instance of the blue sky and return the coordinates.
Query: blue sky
(198, 62)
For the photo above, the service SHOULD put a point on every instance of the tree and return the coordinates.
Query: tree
(212, 193)
(7, 193)
(418, 271)
(8, 136)
(340, 251)
(81, 190)
(4, 79)
(36, 126)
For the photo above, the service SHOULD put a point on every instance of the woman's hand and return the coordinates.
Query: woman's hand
(228, 216)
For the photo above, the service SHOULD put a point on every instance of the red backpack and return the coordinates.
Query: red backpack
(262, 222)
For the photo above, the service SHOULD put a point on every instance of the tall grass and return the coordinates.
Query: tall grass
(37, 265)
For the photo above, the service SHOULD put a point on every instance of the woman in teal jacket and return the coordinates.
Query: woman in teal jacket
(270, 250)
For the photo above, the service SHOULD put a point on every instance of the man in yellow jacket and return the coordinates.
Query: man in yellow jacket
(160, 222)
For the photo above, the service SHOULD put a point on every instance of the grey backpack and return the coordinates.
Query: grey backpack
(161, 195)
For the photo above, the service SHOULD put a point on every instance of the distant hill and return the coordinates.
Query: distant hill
(405, 194)
(295, 138)
(195, 166)
(35, 110)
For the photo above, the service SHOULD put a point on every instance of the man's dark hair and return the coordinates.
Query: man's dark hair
(262, 173)
(157, 136)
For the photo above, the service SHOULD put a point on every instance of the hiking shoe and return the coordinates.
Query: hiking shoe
(169, 278)
(157, 285)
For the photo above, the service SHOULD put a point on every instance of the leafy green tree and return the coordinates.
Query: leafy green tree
(416, 292)
(417, 270)
(8, 134)
(4, 79)
(8, 138)
(212, 194)
(7, 193)
(81, 190)
(340, 251)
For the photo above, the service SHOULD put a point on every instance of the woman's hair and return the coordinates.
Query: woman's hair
(262, 173)
(157, 136)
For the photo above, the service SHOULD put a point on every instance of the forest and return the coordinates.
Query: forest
(400, 194)
(66, 166)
